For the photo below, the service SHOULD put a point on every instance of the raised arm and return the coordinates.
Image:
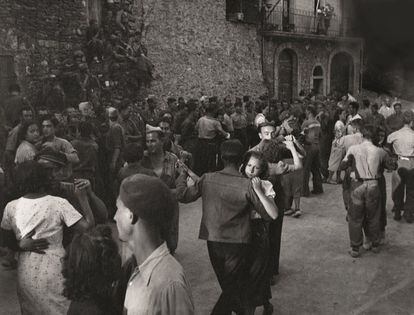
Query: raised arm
(187, 194)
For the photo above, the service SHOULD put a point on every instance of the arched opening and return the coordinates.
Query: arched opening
(342, 73)
(287, 74)
(317, 80)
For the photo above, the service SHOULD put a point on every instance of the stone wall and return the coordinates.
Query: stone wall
(39, 35)
(310, 51)
(195, 51)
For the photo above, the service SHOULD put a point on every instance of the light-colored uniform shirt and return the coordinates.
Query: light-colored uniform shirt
(158, 286)
(368, 159)
(402, 141)
(228, 122)
(386, 111)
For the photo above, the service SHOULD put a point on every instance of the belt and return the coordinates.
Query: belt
(406, 158)
(367, 179)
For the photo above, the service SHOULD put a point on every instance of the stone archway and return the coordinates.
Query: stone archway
(342, 73)
(287, 69)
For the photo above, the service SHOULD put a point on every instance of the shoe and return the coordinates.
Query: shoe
(317, 192)
(289, 212)
(408, 217)
(375, 249)
(339, 181)
(397, 215)
(354, 253)
(332, 182)
(297, 213)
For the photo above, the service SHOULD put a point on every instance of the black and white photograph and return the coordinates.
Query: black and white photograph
(180, 157)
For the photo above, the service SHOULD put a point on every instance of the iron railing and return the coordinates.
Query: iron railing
(306, 22)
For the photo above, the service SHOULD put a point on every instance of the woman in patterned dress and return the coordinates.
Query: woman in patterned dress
(39, 216)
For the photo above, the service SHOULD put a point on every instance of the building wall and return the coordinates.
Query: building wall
(310, 52)
(196, 51)
(38, 35)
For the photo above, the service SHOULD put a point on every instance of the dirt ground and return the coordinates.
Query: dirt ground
(317, 276)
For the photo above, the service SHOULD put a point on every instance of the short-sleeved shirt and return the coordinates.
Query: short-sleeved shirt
(25, 152)
(208, 128)
(312, 130)
(386, 111)
(159, 286)
(46, 215)
(402, 141)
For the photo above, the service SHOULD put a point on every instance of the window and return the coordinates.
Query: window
(246, 11)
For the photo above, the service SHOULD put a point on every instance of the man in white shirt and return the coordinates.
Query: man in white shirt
(158, 285)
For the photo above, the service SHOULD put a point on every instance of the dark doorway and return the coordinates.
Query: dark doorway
(342, 73)
(318, 80)
(287, 74)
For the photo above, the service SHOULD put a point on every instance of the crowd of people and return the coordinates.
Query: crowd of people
(67, 176)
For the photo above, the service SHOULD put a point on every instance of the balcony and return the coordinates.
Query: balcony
(306, 23)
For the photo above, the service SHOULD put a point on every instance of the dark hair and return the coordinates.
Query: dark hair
(397, 104)
(91, 266)
(165, 120)
(171, 100)
(14, 88)
(231, 151)
(21, 134)
(264, 166)
(124, 105)
(191, 105)
(366, 102)
(31, 177)
(354, 105)
(85, 129)
(25, 109)
(246, 98)
(370, 132)
(52, 119)
(357, 123)
(265, 124)
(311, 109)
(133, 152)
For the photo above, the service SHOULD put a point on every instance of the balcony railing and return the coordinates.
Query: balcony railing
(306, 22)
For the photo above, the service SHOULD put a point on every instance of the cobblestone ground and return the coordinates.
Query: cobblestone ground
(317, 276)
